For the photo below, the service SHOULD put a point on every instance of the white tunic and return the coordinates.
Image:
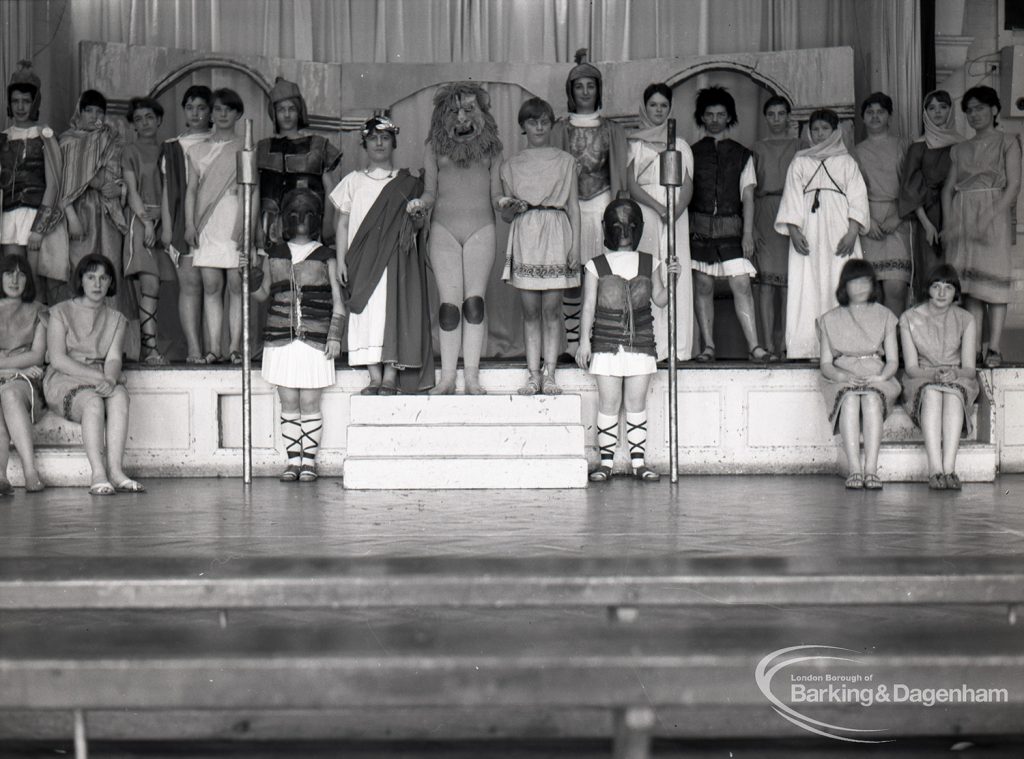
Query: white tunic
(813, 278)
(355, 195)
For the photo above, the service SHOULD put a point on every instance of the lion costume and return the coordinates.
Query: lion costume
(462, 186)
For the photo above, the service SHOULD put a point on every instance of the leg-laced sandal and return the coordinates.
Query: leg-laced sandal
(705, 356)
(291, 473)
(937, 482)
(149, 353)
(602, 474)
(953, 481)
(533, 384)
(548, 386)
(646, 474)
(764, 358)
(855, 481)
(993, 359)
(872, 482)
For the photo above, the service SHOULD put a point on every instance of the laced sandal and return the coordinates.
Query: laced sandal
(290, 474)
(872, 482)
(937, 482)
(646, 474)
(149, 353)
(705, 356)
(602, 474)
(548, 384)
(855, 481)
(533, 384)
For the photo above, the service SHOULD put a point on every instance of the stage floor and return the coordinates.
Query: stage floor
(701, 516)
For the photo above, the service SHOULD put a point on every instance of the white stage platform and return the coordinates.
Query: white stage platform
(734, 419)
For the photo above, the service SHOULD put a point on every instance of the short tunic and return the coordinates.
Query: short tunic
(355, 196)
(623, 363)
(18, 323)
(856, 335)
(216, 247)
(979, 245)
(924, 171)
(89, 333)
(539, 240)
(296, 363)
(880, 163)
(771, 250)
(938, 339)
(144, 162)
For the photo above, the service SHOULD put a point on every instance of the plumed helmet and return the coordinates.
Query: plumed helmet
(623, 224)
(285, 90)
(25, 79)
(301, 206)
(582, 69)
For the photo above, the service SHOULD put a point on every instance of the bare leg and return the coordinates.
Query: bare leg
(977, 310)
(18, 423)
(117, 433)
(478, 258)
(780, 338)
(894, 295)
(552, 327)
(532, 300)
(703, 299)
(766, 308)
(5, 454)
(376, 374)
(996, 321)
(93, 433)
(213, 307)
(849, 431)
(446, 258)
(743, 300)
(931, 426)
(871, 409)
(190, 301)
(952, 425)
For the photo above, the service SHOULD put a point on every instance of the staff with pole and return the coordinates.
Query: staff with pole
(671, 178)
(247, 178)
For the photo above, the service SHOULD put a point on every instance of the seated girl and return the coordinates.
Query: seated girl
(22, 353)
(84, 382)
(858, 366)
(940, 383)
(618, 289)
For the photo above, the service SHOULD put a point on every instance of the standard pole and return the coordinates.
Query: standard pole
(671, 178)
(247, 179)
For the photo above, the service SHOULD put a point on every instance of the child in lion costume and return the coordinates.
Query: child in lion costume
(461, 187)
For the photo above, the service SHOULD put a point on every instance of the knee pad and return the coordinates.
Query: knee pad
(448, 317)
(473, 310)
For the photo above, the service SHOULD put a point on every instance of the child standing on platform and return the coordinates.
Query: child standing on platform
(618, 289)
(543, 253)
(858, 366)
(302, 336)
(84, 383)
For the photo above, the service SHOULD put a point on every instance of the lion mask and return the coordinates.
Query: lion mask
(461, 125)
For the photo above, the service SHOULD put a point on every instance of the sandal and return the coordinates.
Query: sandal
(705, 356)
(155, 359)
(855, 481)
(952, 481)
(533, 384)
(35, 487)
(212, 358)
(307, 473)
(130, 486)
(646, 474)
(601, 474)
(370, 390)
(773, 357)
(102, 488)
(235, 357)
(386, 389)
(764, 358)
(548, 384)
(6, 488)
(937, 482)
(993, 359)
(290, 474)
(195, 360)
(872, 482)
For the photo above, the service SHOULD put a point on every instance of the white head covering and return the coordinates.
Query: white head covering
(943, 135)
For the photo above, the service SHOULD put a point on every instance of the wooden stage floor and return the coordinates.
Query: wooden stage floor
(806, 517)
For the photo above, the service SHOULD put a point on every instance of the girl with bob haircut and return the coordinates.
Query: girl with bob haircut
(22, 354)
(542, 259)
(859, 359)
(977, 203)
(84, 382)
(940, 381)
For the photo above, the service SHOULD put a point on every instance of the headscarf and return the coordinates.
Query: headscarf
(940, 136)
(285, 90)
(830, 147)
(649, 132)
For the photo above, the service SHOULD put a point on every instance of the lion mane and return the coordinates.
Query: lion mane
(484, 146)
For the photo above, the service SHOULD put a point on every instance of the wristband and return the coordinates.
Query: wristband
(337, 325)
(47, 219)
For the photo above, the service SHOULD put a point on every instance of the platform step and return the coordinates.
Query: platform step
(464, 472)
(465, 409)
(467, 440)
(908, 462)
